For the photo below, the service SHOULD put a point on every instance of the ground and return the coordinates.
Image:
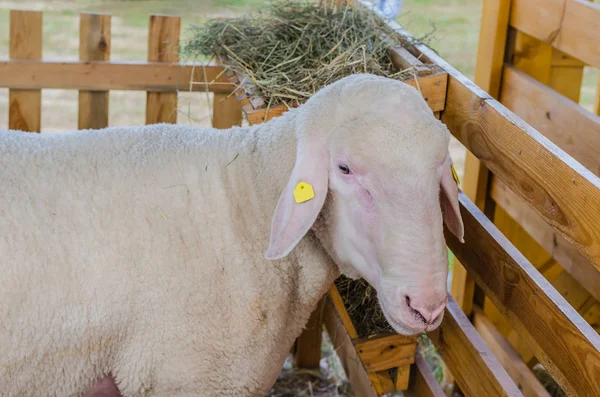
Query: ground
(455, 24)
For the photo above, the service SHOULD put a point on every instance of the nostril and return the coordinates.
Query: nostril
(426, 314)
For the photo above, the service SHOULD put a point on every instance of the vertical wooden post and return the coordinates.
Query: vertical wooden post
(94, 45)
(25, 106)
(227, 111)
(308, 344)
(163, 46)
(488, 75)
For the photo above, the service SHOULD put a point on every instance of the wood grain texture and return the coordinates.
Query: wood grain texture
(508, 357)
(308, 344)
(564, 193)
(106, 76)
(572, 26)
(568, 257)
(475, 368)
(341, 311)
(567, 346)
(564, 122)
(94, 45)
(488, 74)
(25, 105)
(422, 381)
(358, 377)
(387, 352)
(226, 111)
(403, 377)
(163, 46)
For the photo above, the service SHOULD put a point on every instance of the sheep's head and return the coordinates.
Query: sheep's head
(378, 163)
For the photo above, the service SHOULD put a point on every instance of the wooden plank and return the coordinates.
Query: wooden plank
(106, 76)
(358, 377)
(403, 60)
(403, 377)
(433, 89)
(422, 381)
(572, 26)
(563, 121)
(475, 368)
(308, 344)
(563, 192)
(163, 46)
(569, 258)
(338, 303)
(379, 354)
(508, 357)
(25, 105)
(488, 73)
(567, 346)
(94, 45)
(226, 111)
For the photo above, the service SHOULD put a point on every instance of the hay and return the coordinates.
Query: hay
(360, 299)
(290, 49)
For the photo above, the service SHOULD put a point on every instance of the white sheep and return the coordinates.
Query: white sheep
(136, 255)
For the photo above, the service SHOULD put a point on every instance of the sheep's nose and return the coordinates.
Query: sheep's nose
(427, 313)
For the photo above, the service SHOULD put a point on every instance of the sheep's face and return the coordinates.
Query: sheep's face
(387, 177)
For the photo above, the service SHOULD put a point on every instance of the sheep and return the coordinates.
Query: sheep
(171, 260)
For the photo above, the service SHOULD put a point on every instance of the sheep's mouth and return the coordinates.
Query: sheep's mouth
(398, 326)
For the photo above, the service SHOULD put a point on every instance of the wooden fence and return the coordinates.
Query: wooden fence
(512, 309)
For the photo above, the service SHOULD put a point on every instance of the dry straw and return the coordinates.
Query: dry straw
(290, 49)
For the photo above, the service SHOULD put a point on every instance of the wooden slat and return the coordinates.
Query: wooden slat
(403, 60)
(308, 344)
(569, 258)
(564, 122)
(422, 381)
(403, 377)
(567, 346)
(94, 45)
(508, 357)
(163, 46)
(226, 111)
(433, 89)
(562, 191)
(466, 354)
(25, 105)
(338, 303)
(572, 26)
(387, 352)
(488, 73)
(361, 385)
(105, 76)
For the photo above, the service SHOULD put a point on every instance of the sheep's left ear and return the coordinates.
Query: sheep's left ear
(292, 219)
(449, 200)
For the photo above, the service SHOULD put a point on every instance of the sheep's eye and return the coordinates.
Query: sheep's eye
(344, 168)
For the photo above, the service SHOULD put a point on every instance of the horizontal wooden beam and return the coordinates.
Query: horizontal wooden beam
(105, 76)
(422, 381)
(561, 190)
(520, 373)
(466, 354)
(561, 339)
(572, 26)
(563, 121)
(569, 258)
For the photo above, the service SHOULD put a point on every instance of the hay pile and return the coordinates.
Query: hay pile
(291, 48)
(360, 299)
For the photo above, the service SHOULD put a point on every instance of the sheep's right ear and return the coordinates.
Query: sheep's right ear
(292, 219)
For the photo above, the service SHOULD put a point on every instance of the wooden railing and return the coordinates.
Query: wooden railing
(545, 200)
(26, 74)
(520, 303)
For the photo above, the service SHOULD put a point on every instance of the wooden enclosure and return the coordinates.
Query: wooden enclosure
(528, 288)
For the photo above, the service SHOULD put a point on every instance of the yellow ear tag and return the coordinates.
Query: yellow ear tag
(454, 174)
(303, 192)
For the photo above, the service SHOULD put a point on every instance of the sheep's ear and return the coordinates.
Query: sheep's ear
(449, 199)
(292, 219)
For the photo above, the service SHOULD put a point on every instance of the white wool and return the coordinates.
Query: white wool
(139, 251)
